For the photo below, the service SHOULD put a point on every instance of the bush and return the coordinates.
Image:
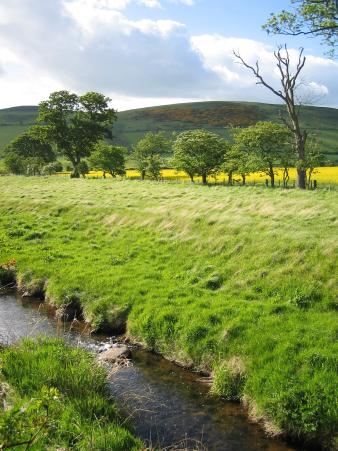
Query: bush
(52, 168)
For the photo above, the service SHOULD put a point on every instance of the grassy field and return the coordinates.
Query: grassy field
(57, 398)
(237, 281)
(214, 116)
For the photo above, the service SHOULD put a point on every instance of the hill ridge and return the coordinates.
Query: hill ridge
(215, 115)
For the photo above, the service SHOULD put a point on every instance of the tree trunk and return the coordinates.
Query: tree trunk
(204, 179)
(243, 179)
(272, 176)
(300, 148)
(143, 174)
(104, 174)
(301, 178)
(75, 174)
(191, 177)
(285, 177)
(230, 178)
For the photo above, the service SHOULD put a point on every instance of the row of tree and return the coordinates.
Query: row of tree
(200, 153)
(78, 127)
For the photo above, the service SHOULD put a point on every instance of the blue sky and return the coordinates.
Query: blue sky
(148, 52)
(226, 17)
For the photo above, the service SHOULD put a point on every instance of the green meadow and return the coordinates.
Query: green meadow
(239, 282)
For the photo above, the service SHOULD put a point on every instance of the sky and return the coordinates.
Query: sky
(149, 52)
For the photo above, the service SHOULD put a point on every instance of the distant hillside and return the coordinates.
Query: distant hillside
(215, 116)
(14, 121)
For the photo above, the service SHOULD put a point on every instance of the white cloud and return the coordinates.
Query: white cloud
(184, 2)
(93, 19)
(85, 45)
(317, 82)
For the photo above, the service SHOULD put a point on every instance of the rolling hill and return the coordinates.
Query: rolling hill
(214, 116)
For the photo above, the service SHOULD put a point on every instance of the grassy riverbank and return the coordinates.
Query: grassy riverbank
(57, 398)
(237, 281)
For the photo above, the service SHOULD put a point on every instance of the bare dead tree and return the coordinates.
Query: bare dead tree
(287, 94)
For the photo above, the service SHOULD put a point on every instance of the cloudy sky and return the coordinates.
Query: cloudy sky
(148, 52)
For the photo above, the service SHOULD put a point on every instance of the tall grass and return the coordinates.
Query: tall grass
(79, 414)
(237, 281)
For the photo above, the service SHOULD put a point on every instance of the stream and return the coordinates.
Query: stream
(168, 407)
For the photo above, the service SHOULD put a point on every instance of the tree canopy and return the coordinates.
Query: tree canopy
(238, 161)
(76, 123)
(199, 152)
(268, 142)
(29, 152)
(111, 159)
(309, 18)
(148, 152)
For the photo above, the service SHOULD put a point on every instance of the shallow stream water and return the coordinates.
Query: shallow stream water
(168, 407)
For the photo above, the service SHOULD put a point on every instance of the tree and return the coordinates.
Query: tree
(309, 18)
(154, 167)
(76, 123)
(199, 152)
(111, 159)
(239, 161)
(147, 154)
(231, 162)
(29, 152)
(287, 160)
(268, 142)
(287, 94)
(314, 158)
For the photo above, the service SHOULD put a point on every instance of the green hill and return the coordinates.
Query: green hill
(215, 116)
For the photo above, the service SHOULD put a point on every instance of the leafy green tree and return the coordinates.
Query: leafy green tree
(199, 152)
(154, 167)
(238, 161)
(309, 18)
(29, 152)
(314, 158)
(268, 142)
(148, 152)
(111, 159)
(76, 123)
(287, 160)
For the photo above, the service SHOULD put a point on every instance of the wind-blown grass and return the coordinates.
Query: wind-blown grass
(237, 281)
(59, 397)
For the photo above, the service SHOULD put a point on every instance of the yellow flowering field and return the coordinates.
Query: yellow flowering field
(326, 175)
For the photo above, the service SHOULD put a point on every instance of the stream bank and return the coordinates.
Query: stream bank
(167, 405)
